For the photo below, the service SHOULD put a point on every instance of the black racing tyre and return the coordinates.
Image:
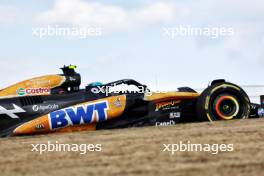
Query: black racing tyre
(223, 101)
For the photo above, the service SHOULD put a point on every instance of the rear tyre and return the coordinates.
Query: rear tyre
(223, 101)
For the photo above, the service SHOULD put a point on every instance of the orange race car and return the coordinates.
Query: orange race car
(55, 103)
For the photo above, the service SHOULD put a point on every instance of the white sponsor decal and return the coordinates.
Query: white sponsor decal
(168, 123)
(45, 107)
(12, 112)
(174, 115)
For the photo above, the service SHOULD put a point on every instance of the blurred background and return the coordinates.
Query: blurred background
(133, 43)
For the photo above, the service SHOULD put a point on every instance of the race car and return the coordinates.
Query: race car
(55, 103)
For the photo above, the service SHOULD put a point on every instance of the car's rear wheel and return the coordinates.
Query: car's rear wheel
(223, 101)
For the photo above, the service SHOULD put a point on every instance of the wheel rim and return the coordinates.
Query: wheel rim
(226, 107)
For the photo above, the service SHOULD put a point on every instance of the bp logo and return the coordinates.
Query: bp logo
(21, 91)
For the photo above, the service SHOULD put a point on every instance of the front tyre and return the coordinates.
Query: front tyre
(223, 101)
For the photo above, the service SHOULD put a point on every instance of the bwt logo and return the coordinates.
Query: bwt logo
(81, 114)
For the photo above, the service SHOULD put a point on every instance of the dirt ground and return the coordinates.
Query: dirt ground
(140, 151)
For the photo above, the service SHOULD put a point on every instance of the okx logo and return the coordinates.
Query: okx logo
(81, 114)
